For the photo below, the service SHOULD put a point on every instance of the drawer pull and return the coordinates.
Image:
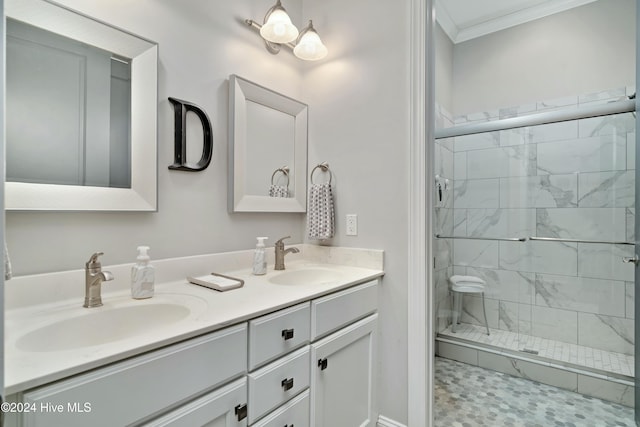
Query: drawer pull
(287, 384)
(287, 334)
(323, 363)
(241, 412)
(287, 425)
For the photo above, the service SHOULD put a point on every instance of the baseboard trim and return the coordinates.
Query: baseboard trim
(387, 422)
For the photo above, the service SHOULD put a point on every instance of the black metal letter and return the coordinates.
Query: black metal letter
(181, 108)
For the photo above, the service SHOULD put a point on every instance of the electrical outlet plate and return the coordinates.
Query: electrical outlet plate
(352, 225)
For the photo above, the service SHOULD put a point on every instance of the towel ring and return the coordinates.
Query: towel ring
(284, 170)
(324, 167)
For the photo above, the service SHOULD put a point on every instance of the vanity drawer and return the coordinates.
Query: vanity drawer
(336, 310)
(278, 333)
(140, 387)
(274, 384)
(206, 410)
(293, 413)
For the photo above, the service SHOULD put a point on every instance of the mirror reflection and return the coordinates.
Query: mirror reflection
(81, 112)
(267, 148)
(68, 110)
(270, 148)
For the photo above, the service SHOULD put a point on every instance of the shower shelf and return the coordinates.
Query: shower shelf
(544, 239)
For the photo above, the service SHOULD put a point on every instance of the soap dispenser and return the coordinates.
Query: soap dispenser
(142, 275)
(260, 257)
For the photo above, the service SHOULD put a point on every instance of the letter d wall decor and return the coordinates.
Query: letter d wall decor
(181, 108)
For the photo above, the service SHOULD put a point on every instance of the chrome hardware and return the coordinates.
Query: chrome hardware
(542, 239)
(634, 259)
(503, 239)
(93, 278)
(324, 167)
(281, 252)
(287, 334)
(555, 239)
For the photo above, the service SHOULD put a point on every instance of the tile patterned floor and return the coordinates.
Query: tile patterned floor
(470, 396)
(593, 358)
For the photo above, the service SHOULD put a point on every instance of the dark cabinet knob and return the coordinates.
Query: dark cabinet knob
(287, 334)
(323, 363)
(241, 412)
(287, 384)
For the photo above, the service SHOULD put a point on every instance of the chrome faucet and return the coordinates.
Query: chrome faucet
(281, 252)
(93, 278)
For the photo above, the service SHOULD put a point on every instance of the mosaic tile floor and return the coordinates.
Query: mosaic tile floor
(470, 396)
(593, 358)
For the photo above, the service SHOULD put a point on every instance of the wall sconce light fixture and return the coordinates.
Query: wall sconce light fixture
(277, 30)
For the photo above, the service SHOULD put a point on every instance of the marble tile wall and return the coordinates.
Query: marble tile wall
(572, 180)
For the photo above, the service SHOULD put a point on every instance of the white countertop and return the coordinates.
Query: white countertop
(210, 310)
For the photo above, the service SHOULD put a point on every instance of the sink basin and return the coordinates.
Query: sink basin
(309, 276)
(102, 325)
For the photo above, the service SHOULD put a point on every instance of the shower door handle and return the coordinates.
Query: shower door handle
(634, 259)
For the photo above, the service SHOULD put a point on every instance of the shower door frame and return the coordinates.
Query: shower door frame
(636, 235)
(607, 109)
(420, 293)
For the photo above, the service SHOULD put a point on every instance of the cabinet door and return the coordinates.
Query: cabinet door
(343, 377)
(215, 409)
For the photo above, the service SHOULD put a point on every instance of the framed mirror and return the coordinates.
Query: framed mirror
(267, 150)
(81, 106)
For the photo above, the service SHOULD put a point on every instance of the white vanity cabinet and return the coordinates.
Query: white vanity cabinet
(339, 363)
(219, 408)
(283, 336)
(135, 390)
(344, 362)
(310, 364)
(343, 379)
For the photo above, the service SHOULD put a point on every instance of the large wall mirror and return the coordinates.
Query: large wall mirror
(81, 112)
(267, 149)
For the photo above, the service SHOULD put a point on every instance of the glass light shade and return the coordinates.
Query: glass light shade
(278, 28)
(310, 47)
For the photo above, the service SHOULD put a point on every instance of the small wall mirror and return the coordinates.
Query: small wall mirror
(267, 149)
(81, 112)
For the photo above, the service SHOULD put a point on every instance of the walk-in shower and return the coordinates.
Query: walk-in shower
(541, 207)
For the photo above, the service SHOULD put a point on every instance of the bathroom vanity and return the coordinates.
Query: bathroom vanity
(291, 348)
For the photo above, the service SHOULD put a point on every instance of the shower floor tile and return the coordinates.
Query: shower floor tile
(470, 396)
(580, 356)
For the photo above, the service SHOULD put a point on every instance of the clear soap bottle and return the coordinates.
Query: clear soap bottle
(260, 258)
(142, 275)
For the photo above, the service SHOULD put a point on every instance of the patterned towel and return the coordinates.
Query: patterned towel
(278, 191)
(320, 213)
(7, 263)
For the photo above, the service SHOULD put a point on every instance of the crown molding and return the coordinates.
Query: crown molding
(498, 23)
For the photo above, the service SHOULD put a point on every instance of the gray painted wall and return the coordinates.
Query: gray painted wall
(358, 122)
(359, 109)
(583, 50)
(200, 44)
(444, 68)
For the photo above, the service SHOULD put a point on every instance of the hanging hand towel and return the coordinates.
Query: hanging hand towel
(278, 191)
(320, 213)
(7, 263)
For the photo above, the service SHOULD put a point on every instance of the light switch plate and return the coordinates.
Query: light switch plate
(352, 225)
